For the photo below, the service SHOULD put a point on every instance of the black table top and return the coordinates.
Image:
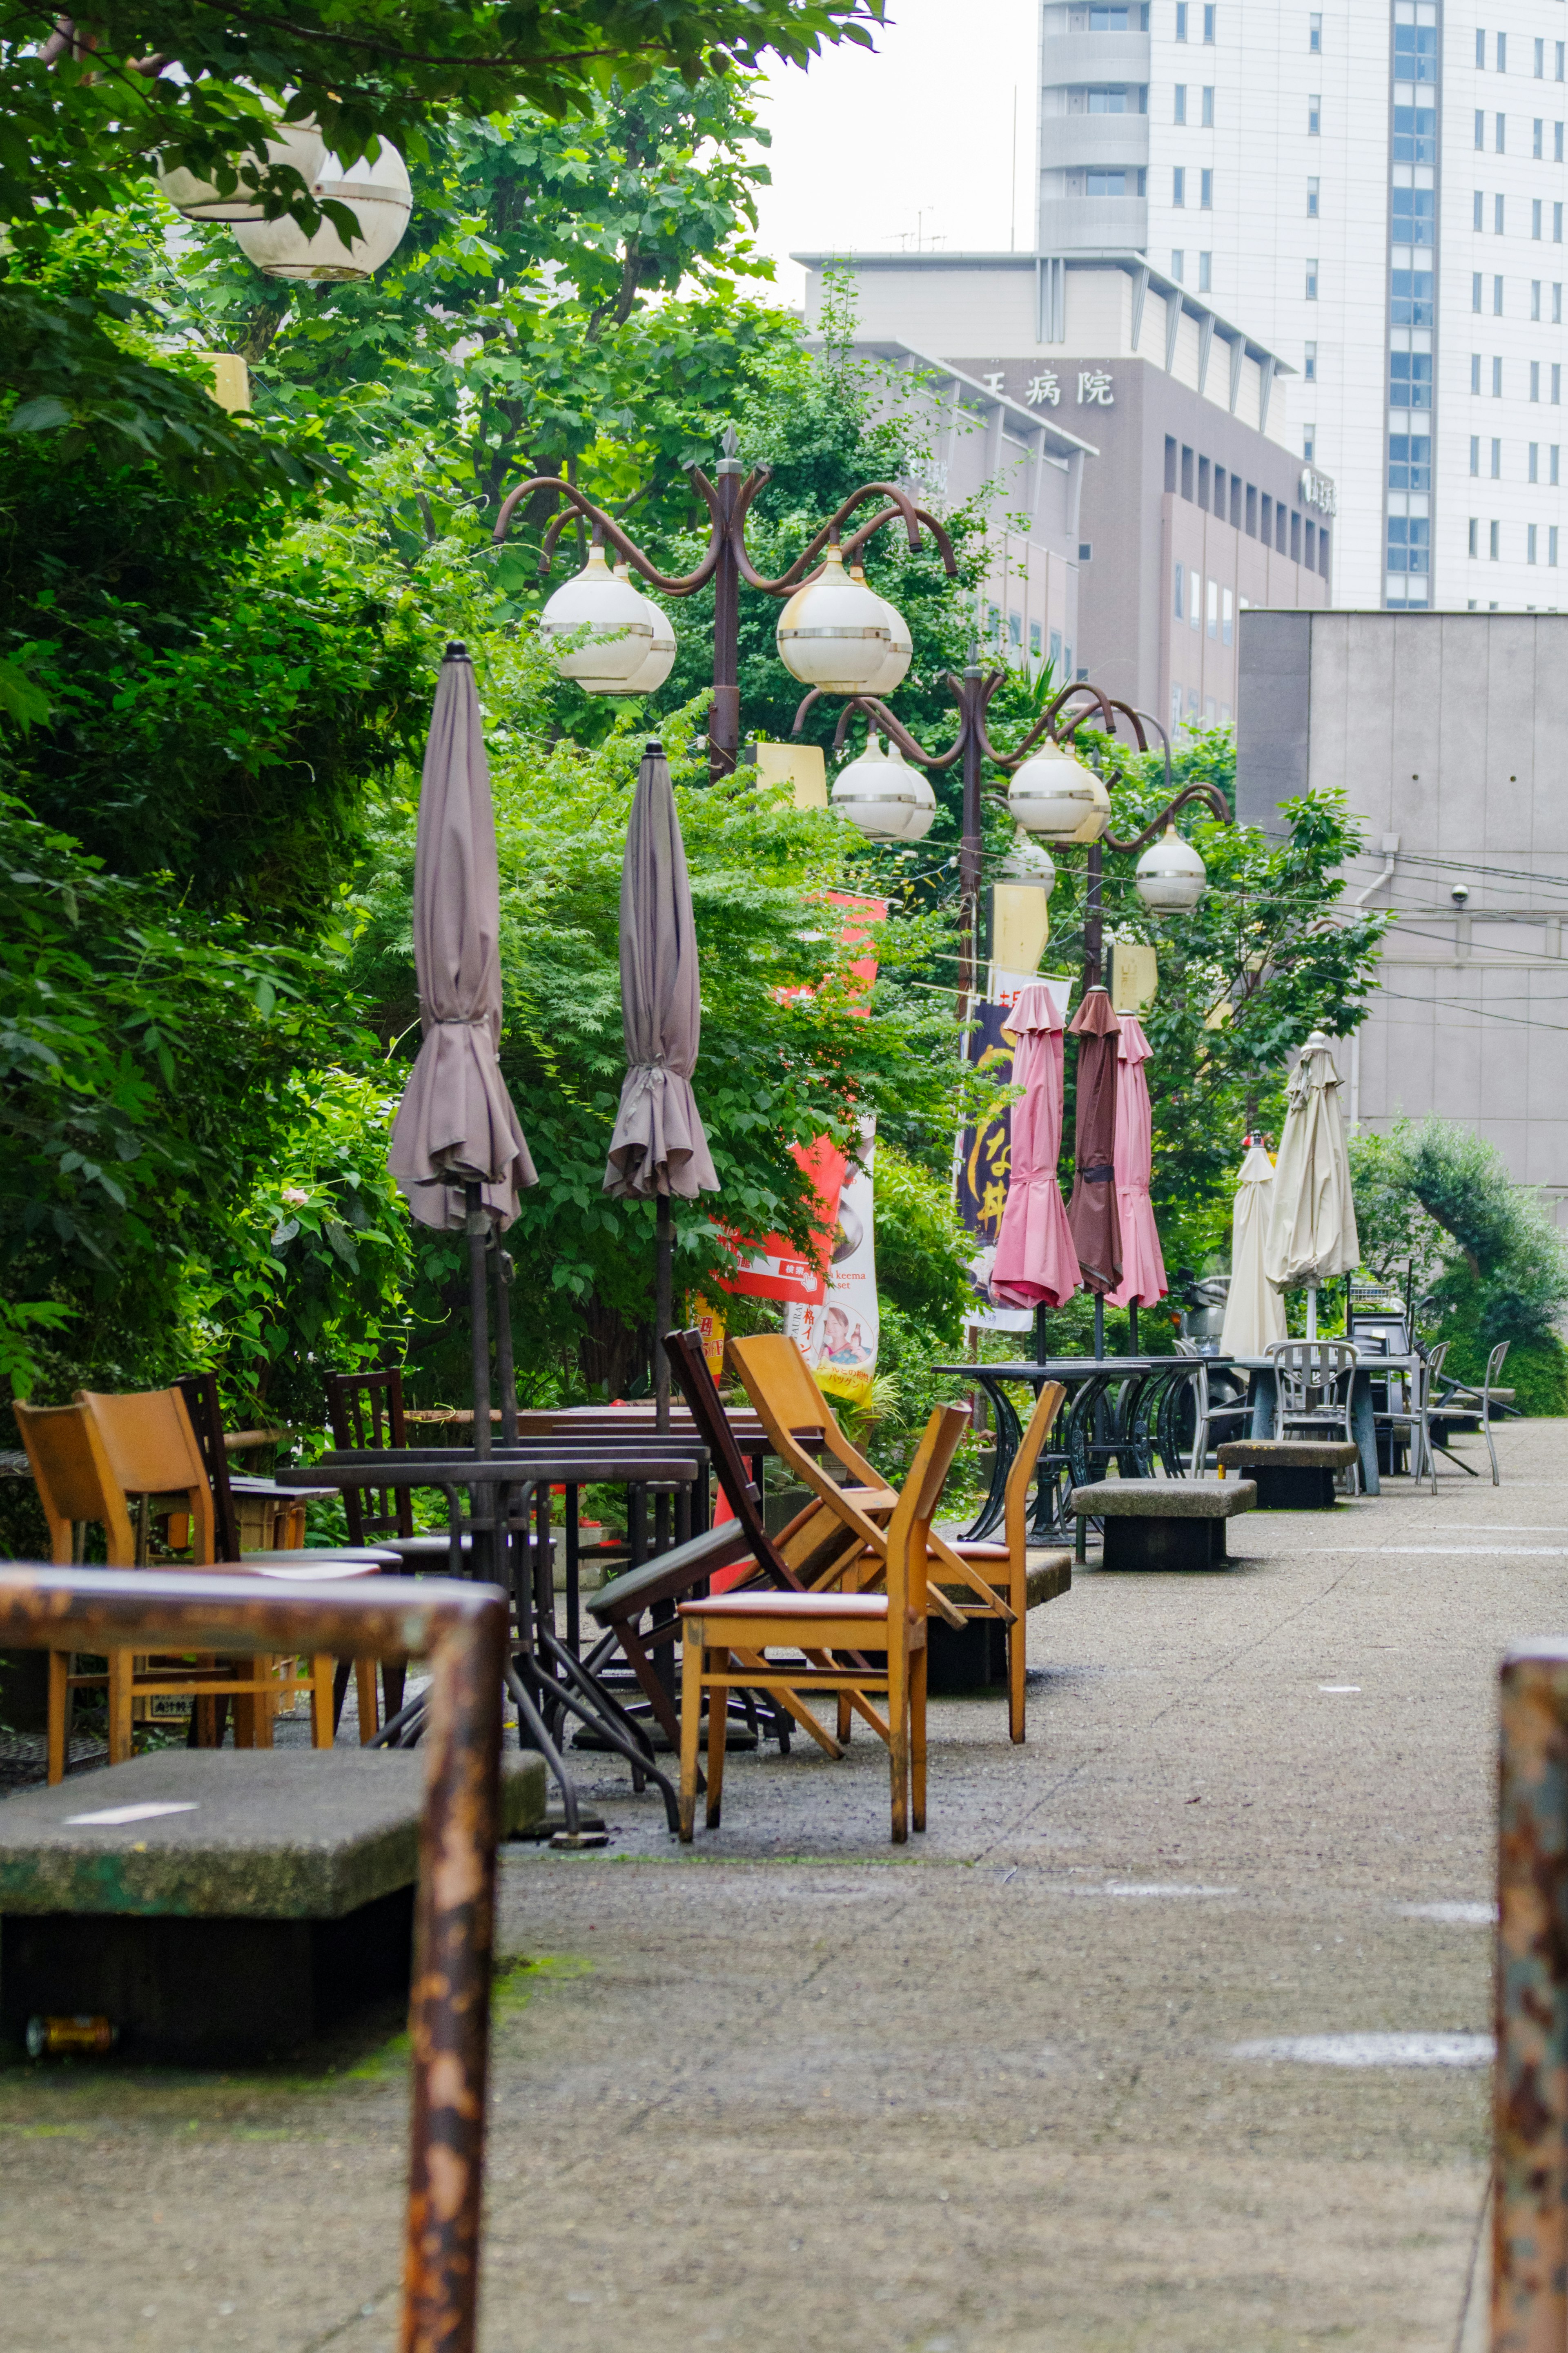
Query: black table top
(458, 1467)
(1073, 1368)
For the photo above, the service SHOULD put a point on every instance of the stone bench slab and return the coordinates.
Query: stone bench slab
(1164, 1499)
(1287, 1454)
(280, 1834)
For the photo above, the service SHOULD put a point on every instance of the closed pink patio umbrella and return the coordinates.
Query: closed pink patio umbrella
(1143, 1266)
(1035, 1263)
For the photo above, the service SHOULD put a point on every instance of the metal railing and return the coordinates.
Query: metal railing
(462, 1630)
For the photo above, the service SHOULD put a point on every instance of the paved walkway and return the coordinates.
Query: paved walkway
(786, 2090)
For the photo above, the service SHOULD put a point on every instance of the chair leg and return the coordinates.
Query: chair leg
(899, 1742)
(365, 1692)
(59, 1714)
(717, 1730)
(121, 1668)
(322, 1725)
(1491, 1449)
(1018, 1657)
(844, 1719)
(690, 1728)
(917, 1732)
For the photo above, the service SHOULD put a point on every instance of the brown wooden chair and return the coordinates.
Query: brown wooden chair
(1005, 1566)
(726, 1638)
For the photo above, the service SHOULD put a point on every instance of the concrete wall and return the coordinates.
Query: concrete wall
(1448, 734)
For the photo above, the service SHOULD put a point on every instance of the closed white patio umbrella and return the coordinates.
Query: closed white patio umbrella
(1253, 1311)
(1311, 1225)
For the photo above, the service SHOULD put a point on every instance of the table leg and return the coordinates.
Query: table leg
(1363, 1429)
(1265, 1405)
(1009, 1436)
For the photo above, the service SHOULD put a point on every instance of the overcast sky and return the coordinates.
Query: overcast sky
(873, 151)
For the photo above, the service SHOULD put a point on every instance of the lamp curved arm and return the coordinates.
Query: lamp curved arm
(606, 528)
(1046, 723)
(902, 506)
(1211, 794)
(886, 723)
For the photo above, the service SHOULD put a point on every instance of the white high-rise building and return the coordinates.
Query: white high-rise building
(1375, 188)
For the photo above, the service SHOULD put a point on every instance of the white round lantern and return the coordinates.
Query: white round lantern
(299, 144)
(620, 622)
(882, 797)
(1171, 878)
(835, 633)
(1027, 861)
(1054, 794)
(659, 659)
(900, 649)
(378, 195)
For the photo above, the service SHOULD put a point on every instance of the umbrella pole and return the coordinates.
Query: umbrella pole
(1132, 1327)
(1098, 1326)
(477, 1226)
(663, 1308)
(506, 1373)
(1039, 1335)
(1311, 1311)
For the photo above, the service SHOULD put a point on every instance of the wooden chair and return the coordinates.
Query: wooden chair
(1006, 1566)
(726, 1638)
(151, 1450)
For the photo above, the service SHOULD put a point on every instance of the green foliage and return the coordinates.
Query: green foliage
(922, 1250)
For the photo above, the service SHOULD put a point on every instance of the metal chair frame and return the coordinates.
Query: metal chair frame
(1310, 1370)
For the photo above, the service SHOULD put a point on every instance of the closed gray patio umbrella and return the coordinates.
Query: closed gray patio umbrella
(658, 1147)
(457, 1152)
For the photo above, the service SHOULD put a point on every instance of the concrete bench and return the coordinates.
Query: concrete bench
(242, 1901)
(1163, 1523)
(976, 1660)
(1292, 1474)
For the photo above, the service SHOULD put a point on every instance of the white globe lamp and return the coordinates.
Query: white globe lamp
(1055, 795)
(299, 144)
(378, 195)
(900, 649)
(1170, 877)
(659, 659)
(834, 632)
(620, 624)
(883, 798)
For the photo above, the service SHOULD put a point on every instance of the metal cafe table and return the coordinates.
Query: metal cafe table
(1121, 1409)
(1263, 1395)
(505, 1522)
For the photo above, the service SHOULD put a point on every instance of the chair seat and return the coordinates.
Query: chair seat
(862, 1606)
(314, 1560)
(433, 1547)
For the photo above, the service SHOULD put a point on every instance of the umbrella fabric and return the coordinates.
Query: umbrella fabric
(1311, 1222)
(1142, 1267)
(1035, 1264)
(1253, 1311)
(456, 1123)
(659, 1145)
(1092, 1217)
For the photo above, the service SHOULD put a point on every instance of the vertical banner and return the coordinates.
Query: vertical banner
(838, 1337)
(984, 1154)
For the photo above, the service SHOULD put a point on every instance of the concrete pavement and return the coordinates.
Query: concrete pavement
(988, 2093)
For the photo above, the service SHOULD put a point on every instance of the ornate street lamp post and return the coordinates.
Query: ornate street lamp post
(835, 634)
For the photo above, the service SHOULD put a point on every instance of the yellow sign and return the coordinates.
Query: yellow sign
(800, 765)
(231, 380)
(1134, 975)
(1020, 925)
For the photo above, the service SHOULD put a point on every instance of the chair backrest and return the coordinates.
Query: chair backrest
(1382, 1334)
(366, 1411)
(1495, 1364)
(200, 1393)
(152, 1451)
(780, 1384)
(1312, 1367)
(1048, 1405)
(688, 1369)
(908, 1531)
(1432, 1370)
(74, 1480)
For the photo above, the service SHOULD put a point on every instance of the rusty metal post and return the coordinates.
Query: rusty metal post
(1529, 2204)
(724, 718)
(463, 1631)
(971, 705)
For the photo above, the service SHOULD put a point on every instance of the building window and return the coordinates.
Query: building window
(1480, 49)
(1410, 379)
(1480, 130)
(1535, 209)
(1498, 216)
(1415, 211)
(1409, 544)
(1205, 273)
(1556, 223)
(1529, 544)
(1557, 304)
(1015, 631)
(1502, 135)
(1556, 383)
(1208, 23)
(1194, 600)
(1415, 134)
(1035, 643)
(1315, 35)
(1475, 453)
(1552, 457)
(1311, 282)
(1175, 705)
(1535, 298)
(1314, 118)
(1181, 20)
(1541, 61)
(1209, 106)
(1503, 53)
(1536, 461)
(1312, 199)
(1411, 298)
(1181, 114)
(1205, 191)
(1227, 617)
(1497, 298)
(1551, 527)
(1475, 289)
(1497, 461)
(1539, 149)
(1186, 473)
(1309, 362)
(1497, 379)
(1415, 52)
(1213, 608)
(1178, 265)
(1309, 442)
(1410, 461)
(1180, 593)
(1251, 511)
(1535, 379)
(1475, 371)
(1495, 542)
(1179, 186)
(1475, 536)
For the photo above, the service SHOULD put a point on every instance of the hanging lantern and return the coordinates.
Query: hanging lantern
(1054, 794)
(901, 649)
(659, 659)
(1170, 877)
(621, 622)
(835, 633)
(1027, 861)
(299, 144)
(882, 797)
(378, 195)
